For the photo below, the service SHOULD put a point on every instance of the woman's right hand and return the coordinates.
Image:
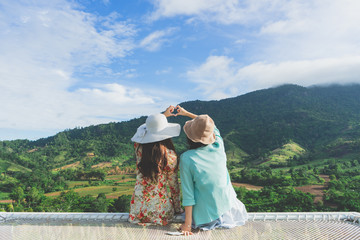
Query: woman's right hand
(182, 112)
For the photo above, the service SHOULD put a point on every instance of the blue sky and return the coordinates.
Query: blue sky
(75, 63)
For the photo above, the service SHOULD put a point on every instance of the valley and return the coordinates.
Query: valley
(284, 145)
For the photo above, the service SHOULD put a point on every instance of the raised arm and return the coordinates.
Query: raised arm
(182, 112)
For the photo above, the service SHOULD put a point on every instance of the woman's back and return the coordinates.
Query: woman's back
(205, 181)
(156, 171)
(151, 202)
(209, 163)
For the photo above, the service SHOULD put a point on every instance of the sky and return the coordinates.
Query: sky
(76, 63)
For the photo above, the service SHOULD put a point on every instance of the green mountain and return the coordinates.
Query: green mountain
(320, 120)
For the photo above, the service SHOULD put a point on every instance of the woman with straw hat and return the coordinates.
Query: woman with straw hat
(208, 196)
(157, 169)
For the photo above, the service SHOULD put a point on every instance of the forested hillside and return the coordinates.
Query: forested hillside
(278, 128)
(257, 122)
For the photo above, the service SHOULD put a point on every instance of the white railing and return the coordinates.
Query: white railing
(123, 217)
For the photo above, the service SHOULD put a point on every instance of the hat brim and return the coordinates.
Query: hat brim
(171, 130)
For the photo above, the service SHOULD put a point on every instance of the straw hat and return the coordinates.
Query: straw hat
(200, 129)
(155, 129)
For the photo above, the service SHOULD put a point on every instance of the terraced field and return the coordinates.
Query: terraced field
(113, 186)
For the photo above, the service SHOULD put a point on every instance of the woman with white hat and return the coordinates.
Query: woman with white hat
(208, 195)
(157, 168)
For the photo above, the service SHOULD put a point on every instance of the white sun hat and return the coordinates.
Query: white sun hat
(155, 129)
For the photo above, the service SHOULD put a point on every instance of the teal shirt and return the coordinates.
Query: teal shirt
(205, 181)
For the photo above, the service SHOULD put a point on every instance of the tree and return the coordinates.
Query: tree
(17, 195)
(101, 203)
(33, 197)
(10, 207)
(121, 204)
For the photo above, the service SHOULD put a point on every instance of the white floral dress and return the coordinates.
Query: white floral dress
(151, 202)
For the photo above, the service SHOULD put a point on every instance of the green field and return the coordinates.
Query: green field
(120, 177)
(284, 154)
(95, 190)
(122, 184)
(4, 196)
(321, 162)
(73, 184)
(9, 166)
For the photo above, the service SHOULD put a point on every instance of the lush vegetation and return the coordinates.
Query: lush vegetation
(278, 199)
(278, 138)
(71, 201)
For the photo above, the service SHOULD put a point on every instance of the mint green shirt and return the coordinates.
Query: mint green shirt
(205, 181)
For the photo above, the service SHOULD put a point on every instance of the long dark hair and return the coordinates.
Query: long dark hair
(154, 158)
(194, 145)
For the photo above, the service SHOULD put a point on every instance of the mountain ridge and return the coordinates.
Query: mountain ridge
(252, 124)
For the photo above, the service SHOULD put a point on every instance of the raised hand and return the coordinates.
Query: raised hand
(169, 111)
(182, 112)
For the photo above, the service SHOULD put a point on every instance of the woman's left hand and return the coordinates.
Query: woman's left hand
(169, 111)
(186, 230)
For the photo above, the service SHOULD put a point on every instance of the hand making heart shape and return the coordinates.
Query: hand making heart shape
(175, 111)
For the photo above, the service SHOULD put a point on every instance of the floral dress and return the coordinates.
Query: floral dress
(151, 202)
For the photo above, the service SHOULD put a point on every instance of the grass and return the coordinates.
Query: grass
(9, 166)
(60, 157)
(123, 186)
(284, 154)
(120, 177)
(4, 196)
(233, 153)
(72, 184)
(71, 165)
(356, 178)
(95, 190)
(4, 165)
(328, 160)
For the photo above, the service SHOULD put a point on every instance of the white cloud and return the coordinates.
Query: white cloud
(117, 94)
(221, 77)
(221, 11)
(43, 44)
(304, 42)
(282, 29)
(310, 30)
(155, 40)
(213, 75)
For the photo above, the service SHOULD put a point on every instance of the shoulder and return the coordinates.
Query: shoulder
(188, 158)
(138, 150)
(137, 146)
(170, 152)
(171, 156)
(187, 154)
